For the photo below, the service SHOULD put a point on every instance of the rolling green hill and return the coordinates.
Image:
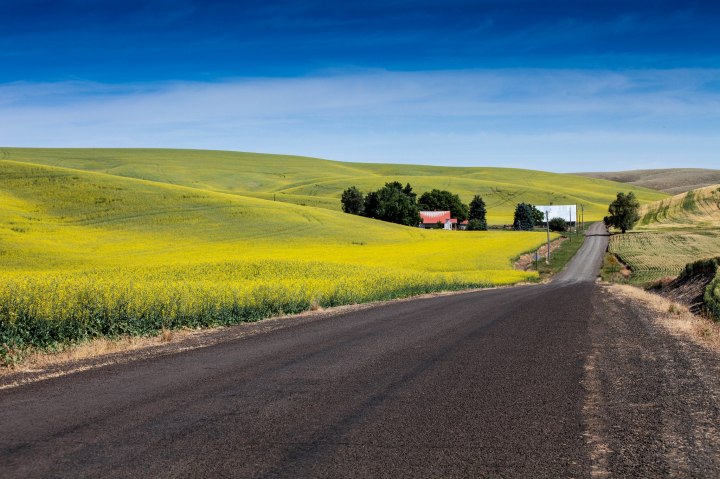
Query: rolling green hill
(315, 182)
(698, 208)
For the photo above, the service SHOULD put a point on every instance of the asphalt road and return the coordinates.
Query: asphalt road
(554, 380)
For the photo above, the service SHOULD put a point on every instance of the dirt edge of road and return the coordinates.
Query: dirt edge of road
(674, 317)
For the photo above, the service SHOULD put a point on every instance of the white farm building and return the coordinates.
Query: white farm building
(566, 212)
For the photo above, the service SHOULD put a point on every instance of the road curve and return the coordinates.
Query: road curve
(515, 382)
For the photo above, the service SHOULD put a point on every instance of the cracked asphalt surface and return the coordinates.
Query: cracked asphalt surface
(555, 380)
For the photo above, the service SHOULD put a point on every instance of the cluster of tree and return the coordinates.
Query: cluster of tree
(393, 202)
(398, 204)
(527, 216)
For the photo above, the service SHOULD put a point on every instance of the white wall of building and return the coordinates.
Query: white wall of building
(566, 212)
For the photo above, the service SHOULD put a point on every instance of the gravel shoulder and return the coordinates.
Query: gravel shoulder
(653, 394)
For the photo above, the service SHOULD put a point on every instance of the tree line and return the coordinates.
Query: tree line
(399, 204)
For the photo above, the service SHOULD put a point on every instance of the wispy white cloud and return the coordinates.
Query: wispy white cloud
(570, 119)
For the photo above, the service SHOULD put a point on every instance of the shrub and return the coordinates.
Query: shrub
(477, 225)
(558, 224)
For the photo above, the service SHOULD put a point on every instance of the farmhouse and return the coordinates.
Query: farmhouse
(440, 219)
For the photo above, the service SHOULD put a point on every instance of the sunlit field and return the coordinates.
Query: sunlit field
(88, 254)
(653, 255)
(699, 209)
(672, 233)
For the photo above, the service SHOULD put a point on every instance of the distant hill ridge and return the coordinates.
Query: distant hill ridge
(668, 180)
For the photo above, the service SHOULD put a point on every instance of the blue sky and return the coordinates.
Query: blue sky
(561, 86)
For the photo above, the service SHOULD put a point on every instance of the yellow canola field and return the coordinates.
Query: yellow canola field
(89, 254)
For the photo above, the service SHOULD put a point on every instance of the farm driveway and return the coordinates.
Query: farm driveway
(557, 380)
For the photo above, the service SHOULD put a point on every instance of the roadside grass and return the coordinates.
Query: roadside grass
(712, 297)
(675, 317)
(561, 256)
(613, 270)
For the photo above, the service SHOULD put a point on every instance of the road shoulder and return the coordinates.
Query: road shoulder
(653, 393)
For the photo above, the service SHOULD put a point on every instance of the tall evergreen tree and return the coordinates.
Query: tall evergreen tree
(523, 219)
(477, 214)
(537, 215)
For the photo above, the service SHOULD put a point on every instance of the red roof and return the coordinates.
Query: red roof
(432, 217)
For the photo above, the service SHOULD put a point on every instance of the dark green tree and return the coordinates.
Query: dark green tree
(538, 216)
(558, 224)
(523, 219)
(477, 225)
(409, 191)
(393, 203)
(371, 205)
(352, 201)
(442, 200)
(477, 214)
(624, 211)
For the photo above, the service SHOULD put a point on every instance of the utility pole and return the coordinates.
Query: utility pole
(577, 222)
(547, 227)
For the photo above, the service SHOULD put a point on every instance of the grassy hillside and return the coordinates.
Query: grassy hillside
(694, 209)
(314, 182)
(669, 180)
(87, 254)
(672, 233)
